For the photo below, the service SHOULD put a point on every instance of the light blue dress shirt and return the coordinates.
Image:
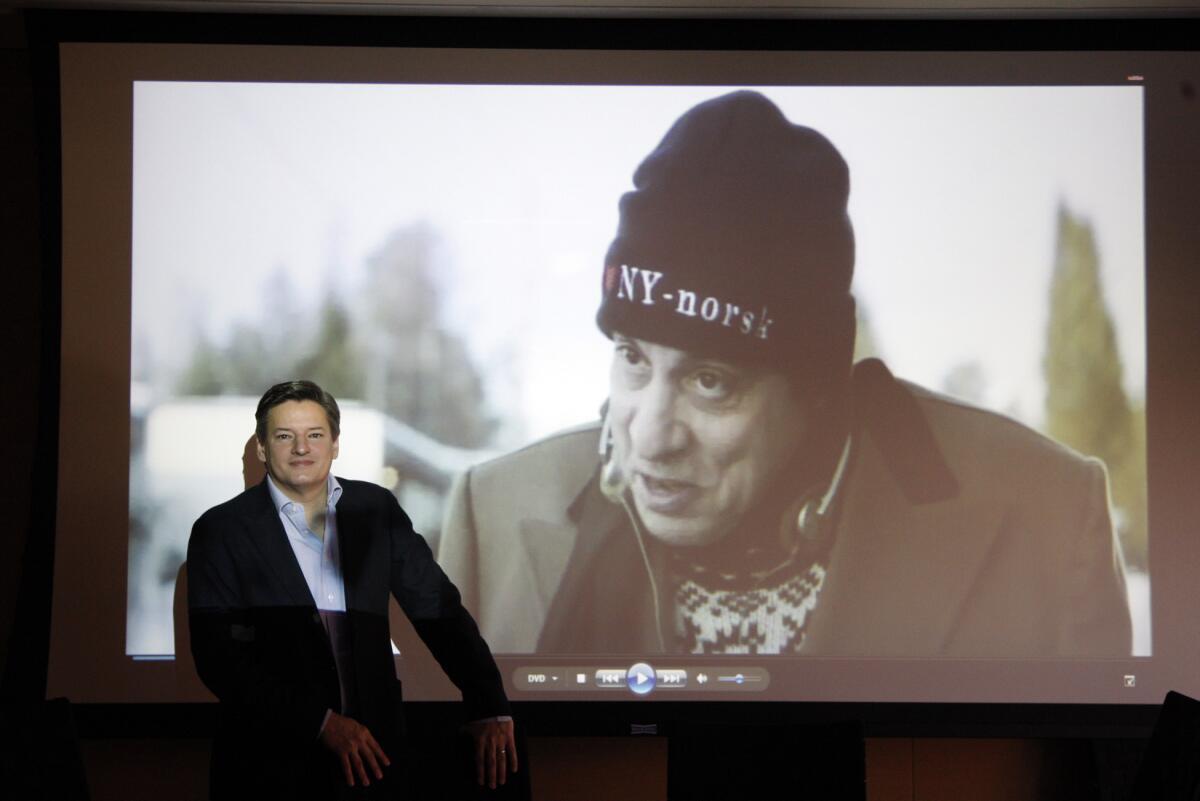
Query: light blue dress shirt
(319, 559)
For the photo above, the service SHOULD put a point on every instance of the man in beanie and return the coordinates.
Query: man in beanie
(747, 491)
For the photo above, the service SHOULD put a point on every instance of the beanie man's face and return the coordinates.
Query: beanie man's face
(698, 440)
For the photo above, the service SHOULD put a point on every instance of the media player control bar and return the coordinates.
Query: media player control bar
(641, 679)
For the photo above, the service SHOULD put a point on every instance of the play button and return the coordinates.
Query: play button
(640, 678)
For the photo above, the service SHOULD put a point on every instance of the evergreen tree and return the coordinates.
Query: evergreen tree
(334, 359)
(397, 356)
(1086, 404)
(420, 373)
(245, 366)
(205, 374)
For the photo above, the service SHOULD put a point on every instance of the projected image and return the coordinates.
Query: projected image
(839, 371)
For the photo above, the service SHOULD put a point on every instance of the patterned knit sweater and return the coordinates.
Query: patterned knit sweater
(753, 612)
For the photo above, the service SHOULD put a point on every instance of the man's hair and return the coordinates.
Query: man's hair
(296, 391)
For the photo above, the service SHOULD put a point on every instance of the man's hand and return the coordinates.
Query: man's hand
(355, 748)
(495, 751)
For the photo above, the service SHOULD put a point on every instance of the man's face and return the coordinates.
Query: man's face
(698, 440)
(299, 449)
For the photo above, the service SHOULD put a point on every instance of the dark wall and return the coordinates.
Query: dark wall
(20, 328)
(898, 769)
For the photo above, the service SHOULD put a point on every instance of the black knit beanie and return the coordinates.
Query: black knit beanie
(735, 244)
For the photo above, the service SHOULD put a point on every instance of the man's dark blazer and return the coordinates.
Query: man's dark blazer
(260, 646)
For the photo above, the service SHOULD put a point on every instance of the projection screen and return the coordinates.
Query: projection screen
(424, 232)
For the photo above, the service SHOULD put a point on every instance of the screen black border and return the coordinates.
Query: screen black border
(46, 29)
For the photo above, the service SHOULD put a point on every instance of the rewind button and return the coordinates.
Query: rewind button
(610, 678)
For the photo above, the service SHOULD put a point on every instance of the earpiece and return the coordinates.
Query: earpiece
(612, 481)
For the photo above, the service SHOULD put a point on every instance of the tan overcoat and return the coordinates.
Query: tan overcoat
(1013, 555)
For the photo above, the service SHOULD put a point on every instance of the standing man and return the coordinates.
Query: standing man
(287, 600)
